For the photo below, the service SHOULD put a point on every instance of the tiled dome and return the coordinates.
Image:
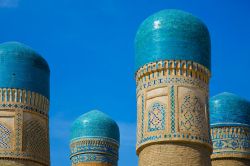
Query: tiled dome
(227, 109)
(95, 124)
(23, 68)
(172, 35)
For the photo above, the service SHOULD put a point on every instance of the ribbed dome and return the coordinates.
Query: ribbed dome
(172, 35)
(21, 67)
(227, 109)
(95, 124)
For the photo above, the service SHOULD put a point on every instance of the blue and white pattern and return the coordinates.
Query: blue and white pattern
(93, 158)
(5, 137)
(156, 117)
(231, 140)
(172, 112)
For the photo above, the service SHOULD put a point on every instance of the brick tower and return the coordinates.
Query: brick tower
(24, 106)
(172, 75)
(95, 140)
(230, 130)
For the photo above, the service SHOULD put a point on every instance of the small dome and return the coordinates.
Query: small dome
(23, 68)
(95, 124)
(227, 109)
(172, 35)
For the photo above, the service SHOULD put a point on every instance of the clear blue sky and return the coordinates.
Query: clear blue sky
(89, 47)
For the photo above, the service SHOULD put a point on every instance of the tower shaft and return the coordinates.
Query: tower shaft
(172, 114)
(23, 128)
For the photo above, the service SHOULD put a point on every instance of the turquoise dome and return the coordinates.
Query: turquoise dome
(95, 124)
(23, 68)
(172, 35)
(227, 109)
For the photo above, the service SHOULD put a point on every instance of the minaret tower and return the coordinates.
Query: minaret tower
(95, 140)
(172, 50)
(230, 130)
(24, 106)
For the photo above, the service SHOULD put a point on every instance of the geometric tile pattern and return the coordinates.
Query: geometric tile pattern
(29, 139)
(94, 150)
(172, 104)
(5, 137)
(177, 67)
(19, 129)
(181, 89)
(156, 117)
(24, 107)
(35, 139)
(181, 73)
(23, 99)
(142, 117)
(191, 114)
(231, 142)
(93, 158)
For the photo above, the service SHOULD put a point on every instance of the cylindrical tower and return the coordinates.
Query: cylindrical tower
(95, 140)
(172, 76)
(230, 130)
(24, 106)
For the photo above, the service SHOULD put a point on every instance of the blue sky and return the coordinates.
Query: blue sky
(89, 46)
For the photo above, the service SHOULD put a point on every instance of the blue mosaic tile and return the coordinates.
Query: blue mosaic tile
(227, 109)
(172, 114)
(230, 140)
(172, 35)
(95, 124)
(96, 158)
(23, 68)
(156, 117)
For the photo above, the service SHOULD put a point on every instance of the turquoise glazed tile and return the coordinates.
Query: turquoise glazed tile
(23, 68)
(95, 124)
(227, 109)
(172, 35)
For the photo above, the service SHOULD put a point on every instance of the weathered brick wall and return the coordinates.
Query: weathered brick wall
(231, 162)
(177, 154)
(18, 163)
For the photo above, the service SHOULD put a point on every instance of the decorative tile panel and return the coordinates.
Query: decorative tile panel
(231, 142)
(93, 158)
(172, 112)
(6, 136)
(35, 137)
(29, 138)
(23, 99)
(156, 117)
(192, 114)
(94, 150)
